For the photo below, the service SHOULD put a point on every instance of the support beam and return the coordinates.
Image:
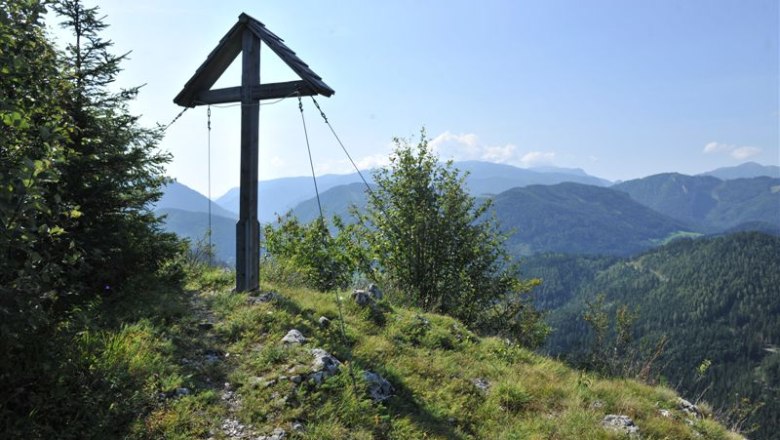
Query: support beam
(259, 92)
(248, 228)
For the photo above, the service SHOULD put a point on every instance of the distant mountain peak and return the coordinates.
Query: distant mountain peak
(745, 170)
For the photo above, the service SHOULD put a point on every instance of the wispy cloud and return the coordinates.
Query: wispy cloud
(343, 166)
(468, 146)
(737, 152)
(538, 158)
(458, 147)
(743, 153)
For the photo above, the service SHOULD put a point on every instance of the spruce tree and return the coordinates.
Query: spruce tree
(113, 170)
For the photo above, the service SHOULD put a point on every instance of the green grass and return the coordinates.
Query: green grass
(432, 362)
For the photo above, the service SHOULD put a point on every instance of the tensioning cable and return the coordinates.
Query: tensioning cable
(324, 225)
(208, 126)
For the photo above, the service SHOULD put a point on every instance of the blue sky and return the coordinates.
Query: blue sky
(622, 89)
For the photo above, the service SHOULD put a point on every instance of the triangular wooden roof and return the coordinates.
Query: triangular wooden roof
(197, 90)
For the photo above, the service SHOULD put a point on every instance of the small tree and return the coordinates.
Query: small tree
(112, 170)
(435, 244)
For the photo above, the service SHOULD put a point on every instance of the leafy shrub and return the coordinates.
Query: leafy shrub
(308, 251)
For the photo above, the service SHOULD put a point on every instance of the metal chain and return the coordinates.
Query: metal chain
(165, 127)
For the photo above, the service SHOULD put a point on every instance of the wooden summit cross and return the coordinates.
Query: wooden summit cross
(245, 37)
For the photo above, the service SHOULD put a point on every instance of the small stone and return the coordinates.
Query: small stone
(293, 337)
(688, 408)
(297, 426)
(282, 378)
(233, 428)
(324, 361)
(621, 423)
(481, 383)
(597, 404)
(361, 297)
(665, 413)
(278, 434)
(374, 291)
(270, 383)
(378, 387)
(324, 322)
(262, 298)
(296, 379)
(182, 392)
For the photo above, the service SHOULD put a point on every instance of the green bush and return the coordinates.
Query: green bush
(424, 236)
(308, 253)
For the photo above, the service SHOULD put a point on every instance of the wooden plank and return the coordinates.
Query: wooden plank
(259, 92)
(196, 90)
(248, 227)
(213, 67)
(289, 57)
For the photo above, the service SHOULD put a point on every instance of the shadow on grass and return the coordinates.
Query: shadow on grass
(405, 404)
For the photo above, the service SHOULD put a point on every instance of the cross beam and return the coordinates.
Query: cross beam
(258, 92)
(245, 37)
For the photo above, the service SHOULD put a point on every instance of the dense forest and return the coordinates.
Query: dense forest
(715, 301)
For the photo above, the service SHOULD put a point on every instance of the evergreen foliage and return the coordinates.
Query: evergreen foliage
(77, 174)
(714, 299)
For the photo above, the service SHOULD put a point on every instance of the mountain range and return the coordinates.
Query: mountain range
(707, 203)
(547, 209)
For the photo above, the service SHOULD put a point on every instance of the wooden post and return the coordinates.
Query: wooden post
(248, 227)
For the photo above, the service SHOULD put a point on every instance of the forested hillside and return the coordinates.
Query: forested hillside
(713, 299)
(707, 203)
(575, 218)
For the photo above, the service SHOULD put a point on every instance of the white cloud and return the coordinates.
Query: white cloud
(467, 146)
(743, 153)
(458, 147)
(737, 152)
(343, 166)
(535, 158)
(714, 147)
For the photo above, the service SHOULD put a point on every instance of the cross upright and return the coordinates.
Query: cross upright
(245, 37)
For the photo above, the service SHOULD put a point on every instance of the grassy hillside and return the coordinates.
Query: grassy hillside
(574, 218)
(714, 299)
(210, 363)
